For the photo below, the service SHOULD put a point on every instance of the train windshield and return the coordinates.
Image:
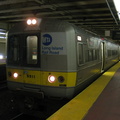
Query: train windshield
(23, 50)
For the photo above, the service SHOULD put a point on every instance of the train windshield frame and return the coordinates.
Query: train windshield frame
(24, 50)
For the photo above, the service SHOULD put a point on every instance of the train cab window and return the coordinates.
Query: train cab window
(14, 50)
(32, 49)
(23, 50)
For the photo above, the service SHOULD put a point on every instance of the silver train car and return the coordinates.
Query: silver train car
(55, 59)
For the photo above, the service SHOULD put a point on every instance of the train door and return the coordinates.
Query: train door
(31, 73)
(80, 59)
(119, 53)
(102, 56)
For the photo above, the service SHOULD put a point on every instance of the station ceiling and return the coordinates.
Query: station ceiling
(94, 15)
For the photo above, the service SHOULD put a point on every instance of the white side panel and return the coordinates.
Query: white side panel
(53, 43)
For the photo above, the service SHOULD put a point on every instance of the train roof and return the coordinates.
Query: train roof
(48, 25)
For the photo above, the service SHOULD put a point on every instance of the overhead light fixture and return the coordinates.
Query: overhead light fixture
(117, 6)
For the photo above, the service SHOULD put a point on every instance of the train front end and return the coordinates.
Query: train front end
(37, 59)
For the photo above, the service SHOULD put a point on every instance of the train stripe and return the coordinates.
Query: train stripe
(41, 77)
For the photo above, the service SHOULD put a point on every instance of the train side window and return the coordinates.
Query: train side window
(95, 54)
(80, 54)
(32, 49)
(109, 53)
(114, 52)
(86, 55)
(91, 55)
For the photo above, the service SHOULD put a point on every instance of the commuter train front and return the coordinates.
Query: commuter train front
(52, 58)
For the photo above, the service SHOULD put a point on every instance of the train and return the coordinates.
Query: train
(2, 56)
(54, 59)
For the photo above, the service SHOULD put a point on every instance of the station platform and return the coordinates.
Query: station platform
(99, 101)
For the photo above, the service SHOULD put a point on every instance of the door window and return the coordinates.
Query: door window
(32, 49)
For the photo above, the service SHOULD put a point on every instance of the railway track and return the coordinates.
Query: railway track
(3, 84)
(22, 116)
(17, 116)
(9, 109)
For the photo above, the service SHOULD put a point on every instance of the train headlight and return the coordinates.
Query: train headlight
(51, 79)
(34, 21)
(31, 21)
(15, 75)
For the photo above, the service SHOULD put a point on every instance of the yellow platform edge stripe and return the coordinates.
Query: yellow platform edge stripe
(78, 107)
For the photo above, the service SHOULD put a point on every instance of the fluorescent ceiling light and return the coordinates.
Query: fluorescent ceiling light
(2, 33)
(117, 6)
